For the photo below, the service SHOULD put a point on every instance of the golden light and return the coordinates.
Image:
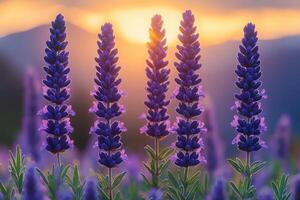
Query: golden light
(90, 21)
(134, 23)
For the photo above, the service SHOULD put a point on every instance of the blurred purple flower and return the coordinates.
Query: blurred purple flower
(157, 85)
(296, 187)
(282, 138)
(218, 191)
(107, 95)
(56, 115)
(154, 194)
(265, 194)
(133, 167)
(248, 124)
(189, 93)
(32, 190)
(90, 192)
(30, 139)
(64, 194)
(214, 151)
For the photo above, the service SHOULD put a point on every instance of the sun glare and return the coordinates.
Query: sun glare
(134, 23)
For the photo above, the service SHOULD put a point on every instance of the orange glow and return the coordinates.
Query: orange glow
(132, 19)
(134, 23)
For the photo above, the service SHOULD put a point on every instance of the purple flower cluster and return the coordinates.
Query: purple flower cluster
(56, 115)
(188, 94)
(248, 123)
(107, 95)
(157, 85)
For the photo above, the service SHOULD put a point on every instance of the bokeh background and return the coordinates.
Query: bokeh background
(24, 29)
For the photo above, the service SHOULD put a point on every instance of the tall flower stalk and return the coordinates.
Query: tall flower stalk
(188, 127)
(56, 115)
(30, 137)
(248, 123)
(107, 108)
(157, 125)
(215, 153)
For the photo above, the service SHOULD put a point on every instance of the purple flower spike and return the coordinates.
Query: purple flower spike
(107, 95)
(157, 84)
(189, 93)
(90, 192)
(248, 124)
(30, 137)
(282, 138)
(32, 190)
(218, 191)
(56, 115)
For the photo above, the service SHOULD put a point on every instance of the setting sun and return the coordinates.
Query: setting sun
(134, 23)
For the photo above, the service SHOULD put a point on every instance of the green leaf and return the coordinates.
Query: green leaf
(173, 180)
(194, 177)
(235, 189)
(149, 168)
(74, 183)
(118, 179)
(257, 166)
(165, 153)
(164, 166)
(103, 193)
(237, 165)
(17, 168)
(146, 181)
(280, 188)
(150, 152)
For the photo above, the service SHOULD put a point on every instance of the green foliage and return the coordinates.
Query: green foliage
(17, 168)
(103, 186)
(280, 188)
(162, 158)
(183, 187)
(75, 184)
(7, 192)
(53, 179)
(244, 169)
(244, 189)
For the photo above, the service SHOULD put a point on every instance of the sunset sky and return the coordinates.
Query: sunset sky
(217, 21)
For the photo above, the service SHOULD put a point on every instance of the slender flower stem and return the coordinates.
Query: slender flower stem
(110, 183)
(156, 146)
(186, 174)
(58, 161)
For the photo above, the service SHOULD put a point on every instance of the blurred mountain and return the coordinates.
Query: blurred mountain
(280, 64)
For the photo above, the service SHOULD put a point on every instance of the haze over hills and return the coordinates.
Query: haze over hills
(280, 64)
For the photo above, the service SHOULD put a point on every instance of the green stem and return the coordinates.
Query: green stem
(58, 161)
(186, 174)
(248, 159)
(156, 182)
(110, 183)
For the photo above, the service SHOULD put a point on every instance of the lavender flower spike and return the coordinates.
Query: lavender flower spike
(106, 106)
(189, 93)
(218, 191)
(157, 125)
(282, 138)
(90, 192)
(32, 190)
(157, 85)
(248, 124)
(30, 137)
(296, 187)
(56, 115)
(107, 95)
